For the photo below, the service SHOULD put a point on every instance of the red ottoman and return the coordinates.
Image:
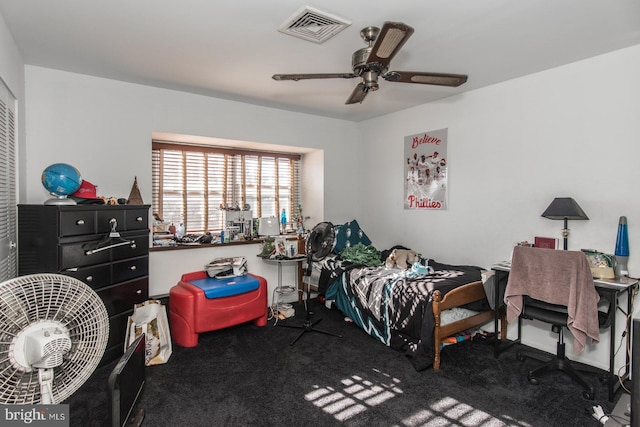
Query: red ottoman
(199, 303)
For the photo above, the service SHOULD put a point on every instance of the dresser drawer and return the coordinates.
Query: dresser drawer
(76, 223)
(105, 218)
(97, 276)
(123, 296)
(81, 253)
(137, 219)
(130, 269)
(138, 247)
(74, 255)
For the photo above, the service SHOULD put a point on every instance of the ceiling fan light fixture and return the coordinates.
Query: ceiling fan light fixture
(370, 80)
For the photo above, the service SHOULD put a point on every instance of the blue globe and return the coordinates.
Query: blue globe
(61, 179)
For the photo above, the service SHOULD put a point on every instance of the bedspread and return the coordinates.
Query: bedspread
(393, 305)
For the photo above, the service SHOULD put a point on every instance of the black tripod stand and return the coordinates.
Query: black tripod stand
(308, 325)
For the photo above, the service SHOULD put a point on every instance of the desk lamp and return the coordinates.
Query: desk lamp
(564, 208)
(268, 227)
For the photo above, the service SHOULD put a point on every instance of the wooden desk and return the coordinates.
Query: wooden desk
(609, 289)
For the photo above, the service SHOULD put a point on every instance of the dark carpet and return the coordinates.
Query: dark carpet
(251, 376)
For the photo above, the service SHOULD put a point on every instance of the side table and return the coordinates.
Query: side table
(282, 289)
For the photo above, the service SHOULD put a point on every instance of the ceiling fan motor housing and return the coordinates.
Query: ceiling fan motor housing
(369, 71)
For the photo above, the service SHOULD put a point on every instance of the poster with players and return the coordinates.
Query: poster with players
(425, 170)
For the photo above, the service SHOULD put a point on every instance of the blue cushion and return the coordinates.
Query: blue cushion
(350, 234)
(219, 288)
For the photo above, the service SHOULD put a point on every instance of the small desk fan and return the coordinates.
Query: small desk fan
(319, 245)
(53, 333)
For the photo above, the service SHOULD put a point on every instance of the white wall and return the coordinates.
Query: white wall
(513, 147)
(104, 127)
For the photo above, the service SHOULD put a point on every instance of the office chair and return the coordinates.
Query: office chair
(556, 287)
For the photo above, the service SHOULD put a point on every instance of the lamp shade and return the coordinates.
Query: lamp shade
(269, 227)
(564, 208)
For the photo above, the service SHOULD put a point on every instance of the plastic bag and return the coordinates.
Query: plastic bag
(150, 318)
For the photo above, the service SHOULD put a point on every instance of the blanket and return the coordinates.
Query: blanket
(394, 306)
(556, 277)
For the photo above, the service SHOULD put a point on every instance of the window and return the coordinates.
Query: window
(191, 183)
(8, 255)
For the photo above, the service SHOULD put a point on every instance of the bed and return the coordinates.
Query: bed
(411, 311)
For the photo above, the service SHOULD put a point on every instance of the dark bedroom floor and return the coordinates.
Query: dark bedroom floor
(250, 376)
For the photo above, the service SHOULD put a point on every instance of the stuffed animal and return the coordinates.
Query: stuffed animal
(420, 268)
(402, 258)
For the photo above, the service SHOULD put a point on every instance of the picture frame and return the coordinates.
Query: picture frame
(601, 264)
(280, 244)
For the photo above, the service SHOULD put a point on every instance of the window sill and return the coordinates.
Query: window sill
(213, 245)
(203, 245)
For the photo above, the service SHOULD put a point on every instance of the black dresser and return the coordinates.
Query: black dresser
(107, 247)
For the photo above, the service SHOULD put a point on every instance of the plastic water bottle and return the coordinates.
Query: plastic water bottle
(283, 220)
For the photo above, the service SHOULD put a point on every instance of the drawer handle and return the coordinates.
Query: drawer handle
(139, 219)
(139, 292)
(89, 279)
(80, 222)
(133, 268)
(133, 245)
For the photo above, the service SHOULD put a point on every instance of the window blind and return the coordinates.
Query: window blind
(192, 184)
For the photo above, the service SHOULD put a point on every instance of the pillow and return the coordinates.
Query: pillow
(349, 234)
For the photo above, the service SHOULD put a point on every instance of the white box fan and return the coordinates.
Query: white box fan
(53, 333)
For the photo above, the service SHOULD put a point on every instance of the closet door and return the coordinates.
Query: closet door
(8, 253)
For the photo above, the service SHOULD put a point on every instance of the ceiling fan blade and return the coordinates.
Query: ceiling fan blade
(391, 38)
(358, 94)
(440, 79)
(296, 77)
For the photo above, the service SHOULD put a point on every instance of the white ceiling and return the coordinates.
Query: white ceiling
(230, 49)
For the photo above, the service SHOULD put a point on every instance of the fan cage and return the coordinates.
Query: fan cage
(57, 298)
(320, 241)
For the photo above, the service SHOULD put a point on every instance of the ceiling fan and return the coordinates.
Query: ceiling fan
(372, 62)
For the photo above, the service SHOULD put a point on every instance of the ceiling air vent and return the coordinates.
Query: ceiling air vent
(313, 25)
